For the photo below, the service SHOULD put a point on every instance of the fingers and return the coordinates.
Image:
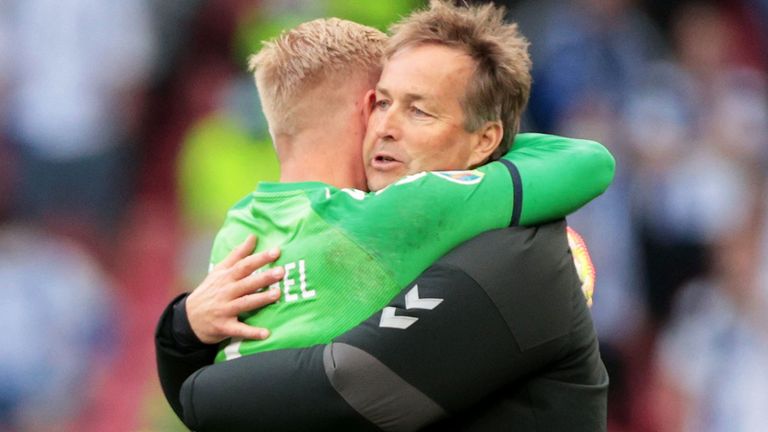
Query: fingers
(243, 250)
(245, 331)
(255, 282)
(254, 301)
(250, 264)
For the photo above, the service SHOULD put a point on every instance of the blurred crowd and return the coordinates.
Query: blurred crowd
(128, 127)
(679, 94)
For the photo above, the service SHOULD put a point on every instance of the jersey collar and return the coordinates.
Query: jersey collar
(287, 187)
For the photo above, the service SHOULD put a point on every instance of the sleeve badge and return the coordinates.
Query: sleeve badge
(468, 177)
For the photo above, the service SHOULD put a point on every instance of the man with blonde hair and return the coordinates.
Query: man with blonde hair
(311, 82)
(347, 251)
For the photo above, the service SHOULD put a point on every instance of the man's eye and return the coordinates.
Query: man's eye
(418, 112)
(382, 104)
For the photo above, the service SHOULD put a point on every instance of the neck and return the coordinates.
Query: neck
(313, 156)
(328, 146)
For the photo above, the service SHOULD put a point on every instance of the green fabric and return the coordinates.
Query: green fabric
(347, 253)
(559, 175)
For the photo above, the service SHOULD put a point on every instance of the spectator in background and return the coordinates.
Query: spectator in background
(54, 312)
(759, 14)
(709, 369)
(74, 91)
(689, 138)
(710, 366)
(55, 301)
(72, 80)
(703, 164)
(586, 55)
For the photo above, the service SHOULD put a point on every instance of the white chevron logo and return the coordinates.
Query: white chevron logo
(412, 301)
(389, 319)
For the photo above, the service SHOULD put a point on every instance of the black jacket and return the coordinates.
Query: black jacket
(494, 336)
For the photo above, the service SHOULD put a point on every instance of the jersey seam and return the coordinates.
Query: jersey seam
(517, 191)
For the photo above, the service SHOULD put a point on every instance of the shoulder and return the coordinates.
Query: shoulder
(501, 255)
(528, 274)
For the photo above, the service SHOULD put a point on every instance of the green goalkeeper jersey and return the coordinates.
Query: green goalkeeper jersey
(346, 253)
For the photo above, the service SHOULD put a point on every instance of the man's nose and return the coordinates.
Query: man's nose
(389, 125)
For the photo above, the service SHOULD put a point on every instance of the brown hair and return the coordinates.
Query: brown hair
(304, 56)
(501, 84)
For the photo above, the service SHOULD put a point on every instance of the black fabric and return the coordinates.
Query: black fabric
(178, 351)
(564, 389)
(510, 347)
(434, 354)
(283, 390)
(513, 324)
(183, 334)
(525, 271)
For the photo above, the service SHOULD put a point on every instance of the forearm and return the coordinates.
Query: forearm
(178, 353)
(558, 175)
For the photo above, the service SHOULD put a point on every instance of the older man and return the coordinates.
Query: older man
(426, 121)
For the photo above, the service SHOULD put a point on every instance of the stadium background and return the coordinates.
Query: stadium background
(127, 127)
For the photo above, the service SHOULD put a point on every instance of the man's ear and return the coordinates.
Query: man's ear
(368, 100)
(487, 139)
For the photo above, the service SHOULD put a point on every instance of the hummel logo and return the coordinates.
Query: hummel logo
(389, 319)
(412, 301)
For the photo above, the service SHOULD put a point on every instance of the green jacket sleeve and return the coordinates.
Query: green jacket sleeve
(557, 175)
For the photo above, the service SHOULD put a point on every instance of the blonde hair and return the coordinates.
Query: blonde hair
(501, 84)
(304, 57)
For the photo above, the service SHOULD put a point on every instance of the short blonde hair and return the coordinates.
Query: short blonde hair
(501, 84)
(306, 56)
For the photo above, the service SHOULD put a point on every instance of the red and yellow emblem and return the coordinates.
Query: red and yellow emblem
(583, 262)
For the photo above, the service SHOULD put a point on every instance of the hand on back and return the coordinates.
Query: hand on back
(232, 287)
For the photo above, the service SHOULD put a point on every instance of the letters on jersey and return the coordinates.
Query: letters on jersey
(295, 275)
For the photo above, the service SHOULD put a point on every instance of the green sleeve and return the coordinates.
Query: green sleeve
(413, 222)
(557, 175)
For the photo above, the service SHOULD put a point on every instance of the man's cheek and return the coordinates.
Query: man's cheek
(374, 118)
